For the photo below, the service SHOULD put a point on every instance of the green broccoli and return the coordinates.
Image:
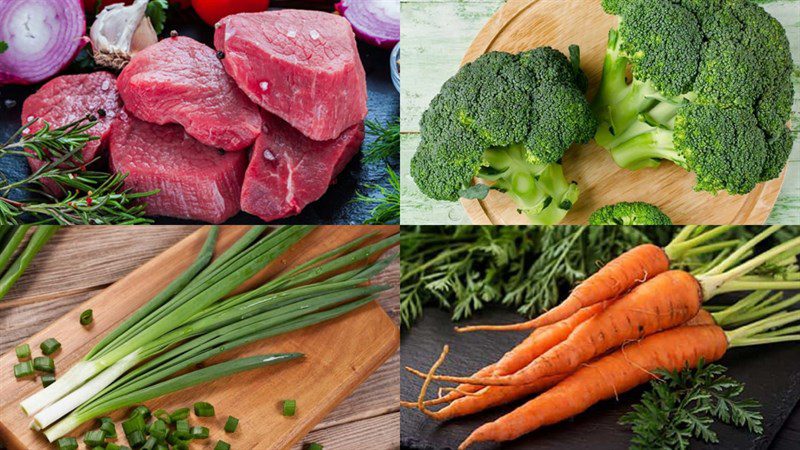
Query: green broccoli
(507, 119)
(710, 91)
(629, 213)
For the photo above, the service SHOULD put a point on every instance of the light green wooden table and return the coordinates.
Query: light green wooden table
(435, 36)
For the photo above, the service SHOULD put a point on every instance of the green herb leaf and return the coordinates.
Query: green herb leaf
(475, 192)
(157, 12)
(387, 140)
(3, 46)
(387, 209)
(683, 405)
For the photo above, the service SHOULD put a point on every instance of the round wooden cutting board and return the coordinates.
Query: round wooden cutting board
(525, 24)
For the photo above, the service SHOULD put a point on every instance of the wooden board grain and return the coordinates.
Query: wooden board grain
(525, 24)
(340, 354)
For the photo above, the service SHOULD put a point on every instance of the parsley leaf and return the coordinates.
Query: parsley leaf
(157, 12)
(683, 405)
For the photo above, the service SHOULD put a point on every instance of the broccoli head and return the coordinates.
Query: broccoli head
(710, 90)
(508, 119)
(629, 213)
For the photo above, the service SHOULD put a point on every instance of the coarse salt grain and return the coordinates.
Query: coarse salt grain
(314, 34)
(292, 33)
(264, 86)
(105, 85)
(268, 155)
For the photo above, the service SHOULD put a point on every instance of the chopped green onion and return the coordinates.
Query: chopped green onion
(109, 429)
(289, 407)
(135, 423)
(163, 415)
(142, 411)
(231, 424)
(98, 447)
(150, 443)
(136, 438)
(48, 379)
(182, 430)
(106, 420)
(161, 446)
(23, 369)
(23, 351)
(112, 446)
(222, 445)
(199, 433)
(173, 439)
(86, 317)
(50, 346)
(203, 409)
(180, 446)
(95, 438)
(314, 446)
(44, 364)
(179, 414)
(158, 430)
(67, 443)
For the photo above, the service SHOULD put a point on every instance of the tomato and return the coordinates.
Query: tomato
(211, 11)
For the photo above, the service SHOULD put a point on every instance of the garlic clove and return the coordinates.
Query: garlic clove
(120, 31)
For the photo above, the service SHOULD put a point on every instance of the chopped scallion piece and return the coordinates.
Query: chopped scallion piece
(199, 433)
(98, 447)
(222, 445)
(67, 443)
(182, 430)
(23, 351)
(135, 438)
(231, 424)
(163, 415)
(150, 443)
(48, 379)
(113, 446)
(314, 446)
(173, 439)
(86, 317)
(158, 430)
(50, 346)
(135, 423)
(180, 446)
(179, 414)
(109, 429)
(142, 411)
(44, 364)
(95, 438)
(289, 407)
(23, 369)
(106, 419)
(203, 409)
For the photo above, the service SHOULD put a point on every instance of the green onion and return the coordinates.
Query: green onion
(48, 379)
(40, 237)
(134, 423)
(199, 433)
(136, 438)
(12, 245)
(182, 430)
(95, 438)
(158, 429)
(161, 446)
(222, 445)
(314, 446)
(109, 429)
(112, 446)
(231, 424)
(180, 446)
(44, 364)
(179, 414)
(23, 352)
(86, 317)
(163, 415)
(142, 411)
(289, 407)
(203, 409)
(67, 443)
(150, 443)
(49, 346)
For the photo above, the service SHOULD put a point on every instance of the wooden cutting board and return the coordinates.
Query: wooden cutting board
(340, 354)
(525, 24)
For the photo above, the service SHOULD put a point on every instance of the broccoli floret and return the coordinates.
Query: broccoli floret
(508, 119)
(629, 213)
(710, 91)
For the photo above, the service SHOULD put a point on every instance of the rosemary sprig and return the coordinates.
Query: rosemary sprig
(387, 205)
(85, 197)
(683, 405)
(387, 140)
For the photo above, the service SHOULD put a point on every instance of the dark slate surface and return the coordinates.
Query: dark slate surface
(335, 207)
(771, 375)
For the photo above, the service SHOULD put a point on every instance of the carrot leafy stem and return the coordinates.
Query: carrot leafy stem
(682, 405)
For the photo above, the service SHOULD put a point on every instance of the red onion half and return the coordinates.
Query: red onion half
(376, 22)
(43, 36)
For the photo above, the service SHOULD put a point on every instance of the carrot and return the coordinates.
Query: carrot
(615, 278)
(538, 342)
(607, 377)
(667, 300)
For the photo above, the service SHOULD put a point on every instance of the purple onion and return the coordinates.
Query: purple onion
(376, 22)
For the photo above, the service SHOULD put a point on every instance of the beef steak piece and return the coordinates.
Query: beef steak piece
(180, 80)
(302, 66)
(288, 170)
(195, 181)
(68, 98)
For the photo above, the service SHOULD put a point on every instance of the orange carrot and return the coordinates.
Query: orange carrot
(667, 300)
(607, 377)
(615, 278)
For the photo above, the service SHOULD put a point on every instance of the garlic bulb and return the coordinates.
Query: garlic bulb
(119, 32)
